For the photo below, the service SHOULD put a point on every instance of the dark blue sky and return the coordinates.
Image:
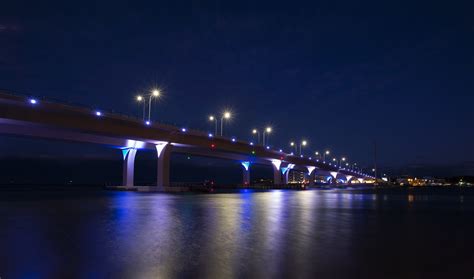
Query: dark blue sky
(340, 75)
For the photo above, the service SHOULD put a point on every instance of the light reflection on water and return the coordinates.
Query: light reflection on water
(245, 234)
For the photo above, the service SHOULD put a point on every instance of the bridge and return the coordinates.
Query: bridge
(24, 116)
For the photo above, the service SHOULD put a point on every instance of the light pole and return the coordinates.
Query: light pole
(256, 132)
(303, 143)
(213, 119)
(343, 159)
(317, 154)
(140, 99)
(292, 144)
(267, 130)
(225, 115)
(154, 93)
(324, 155)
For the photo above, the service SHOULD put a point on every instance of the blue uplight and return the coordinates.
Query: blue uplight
(268, 147)
(251, 143)
(33, 101)
(233, 139)
(147, 122)
(210, 135)
(98, 113)
(183, 130)
(281, 150)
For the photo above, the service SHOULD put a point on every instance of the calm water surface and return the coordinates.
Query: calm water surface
(274, 234)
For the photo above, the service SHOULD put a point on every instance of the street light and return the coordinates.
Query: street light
(324, 155)
(213, 119)
(303, 143)
(225, 115)
(292, 144)
(317, 154)
(343, 159)
(267, 130)
(140, 99)
(155, 93)
(256, 132)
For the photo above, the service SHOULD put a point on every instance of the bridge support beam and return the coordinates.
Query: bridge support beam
(276, 172)
(246, 173)
(163, 152)
(311, 175)
(286, 171)
(334, 177)
(128, 166)
(348, 179)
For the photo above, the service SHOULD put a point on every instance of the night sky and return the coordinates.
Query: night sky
(341, 75)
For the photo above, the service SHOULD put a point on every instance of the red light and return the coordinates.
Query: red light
(213, 145)
(281, 158)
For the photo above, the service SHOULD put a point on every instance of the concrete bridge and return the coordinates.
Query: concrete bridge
(37, 118)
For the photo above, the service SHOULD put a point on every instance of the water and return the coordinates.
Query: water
(277, 234)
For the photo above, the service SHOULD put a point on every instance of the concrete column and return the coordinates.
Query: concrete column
(334, 177)
(311, 177)
(348, 179)
(276, 175)
(128, 166)
(285, 175)
(246, 173)
(163, 152)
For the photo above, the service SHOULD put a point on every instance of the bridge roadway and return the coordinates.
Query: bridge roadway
(18, 116)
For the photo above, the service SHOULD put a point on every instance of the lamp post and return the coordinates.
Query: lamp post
(317, 154)
(303, 143)
(155, 93)
(343, 159)
(256, 132)
(267, 130)
(324, 155)
(292, 144)
(140, 99)
(225, 115)
(213, 119)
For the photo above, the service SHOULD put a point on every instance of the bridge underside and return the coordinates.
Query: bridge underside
(164, 150)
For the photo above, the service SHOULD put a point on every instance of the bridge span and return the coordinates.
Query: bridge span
(42, 119)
